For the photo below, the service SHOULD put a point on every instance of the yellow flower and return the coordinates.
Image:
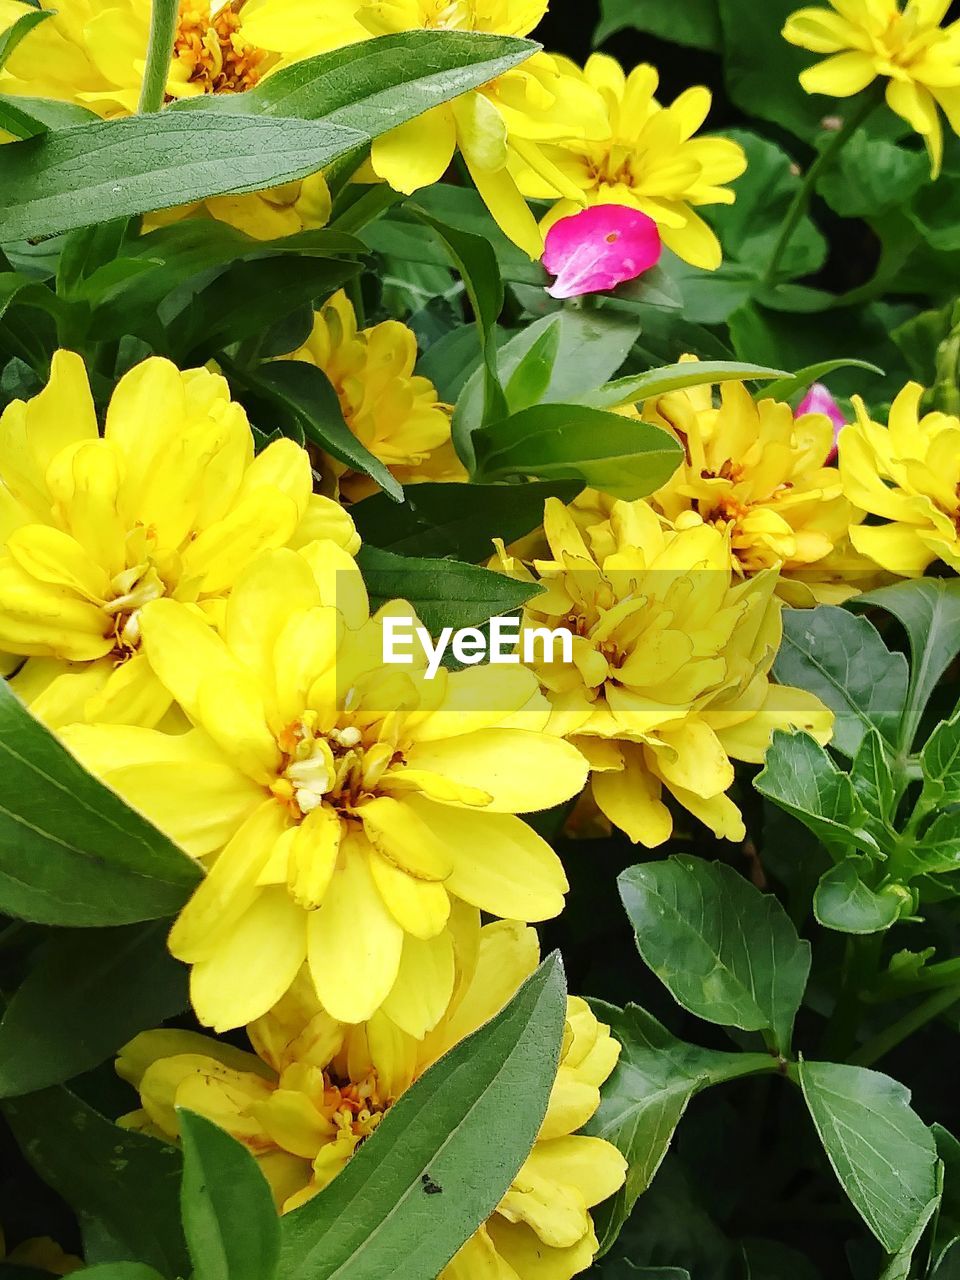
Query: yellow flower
(346, 800)
(169, 502)
(671, 654)
(757, 472)
(317, 1088)
(93, 53)
(646, 157)
(490, 126)
(871, 38)
(42, 1254)
(907, 473)
(390, 410)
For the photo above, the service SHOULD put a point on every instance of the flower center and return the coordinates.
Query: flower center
(336, 766)
(212, 49)
(133, 587)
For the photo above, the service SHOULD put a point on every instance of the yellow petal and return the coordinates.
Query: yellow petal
(416, 154)
(420, 907)
(229, 887)
(424, 985)
(501, 865)
(354, 943)
(522, 771)
(313, 854)
(401, 836)
(254, 964)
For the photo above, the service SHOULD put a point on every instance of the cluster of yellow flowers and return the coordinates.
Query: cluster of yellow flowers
(544, 129)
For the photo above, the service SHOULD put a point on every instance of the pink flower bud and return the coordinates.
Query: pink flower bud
(819, 400)
(599, 248)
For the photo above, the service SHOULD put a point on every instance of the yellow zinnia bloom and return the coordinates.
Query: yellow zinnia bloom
(93, 53)
(390, 410)
(316, 1088)
(758, 472)
(490, 126)
(170, 501)
(646, 157)
(671, 654)
(907, 473)
(345, 800)
(871, 38)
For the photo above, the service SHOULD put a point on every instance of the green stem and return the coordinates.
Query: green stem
(163, 28)
(801, 200)
(933, 978)
(905, 1027)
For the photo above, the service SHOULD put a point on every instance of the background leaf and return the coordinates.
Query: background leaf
(88, 993)
(71, 852)
(644, 1099)
(444, 593)
(123, 1186)
(844, 902)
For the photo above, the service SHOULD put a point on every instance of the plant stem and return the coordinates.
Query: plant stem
(163, 27)
(801, 200)
(904, 1027)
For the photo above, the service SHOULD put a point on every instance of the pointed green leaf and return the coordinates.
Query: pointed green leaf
(842, 659)
(674, 377)
(622, 457)
(117, 168)
(444, 1155)
(11, 37)
(940, 760)
(231, 1225)
(880, 1149)
(723, 950)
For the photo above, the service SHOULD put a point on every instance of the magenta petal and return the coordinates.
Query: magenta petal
(819, 400)
(599, 248)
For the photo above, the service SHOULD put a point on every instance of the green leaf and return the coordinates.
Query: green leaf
(88, 993)
(476, 262)
(724, 951)
(531, 378)
(11, 37)
(28, 117)
(120, 1271)
(899, 1266)
(123, 1186)
(938, 850)
(247, 299)
(844, 902)
(456, 519)
(378, 84)
(17, 288)
(592, 347)
(880, 1149)
(696, 23)
(118, 168)
(71, 852)
(800, 776)
(644, 1099)
(620, 456)
(842, 659)
(229, 1219)
(675, 377)
(929, 611)
(873, 782)
(465, 1128)
(940, 761)
(786, 388)
(305, 391)
(871, 176)
(443, 593)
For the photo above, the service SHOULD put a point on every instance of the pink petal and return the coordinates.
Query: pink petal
(819, 400)
(599, 248)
